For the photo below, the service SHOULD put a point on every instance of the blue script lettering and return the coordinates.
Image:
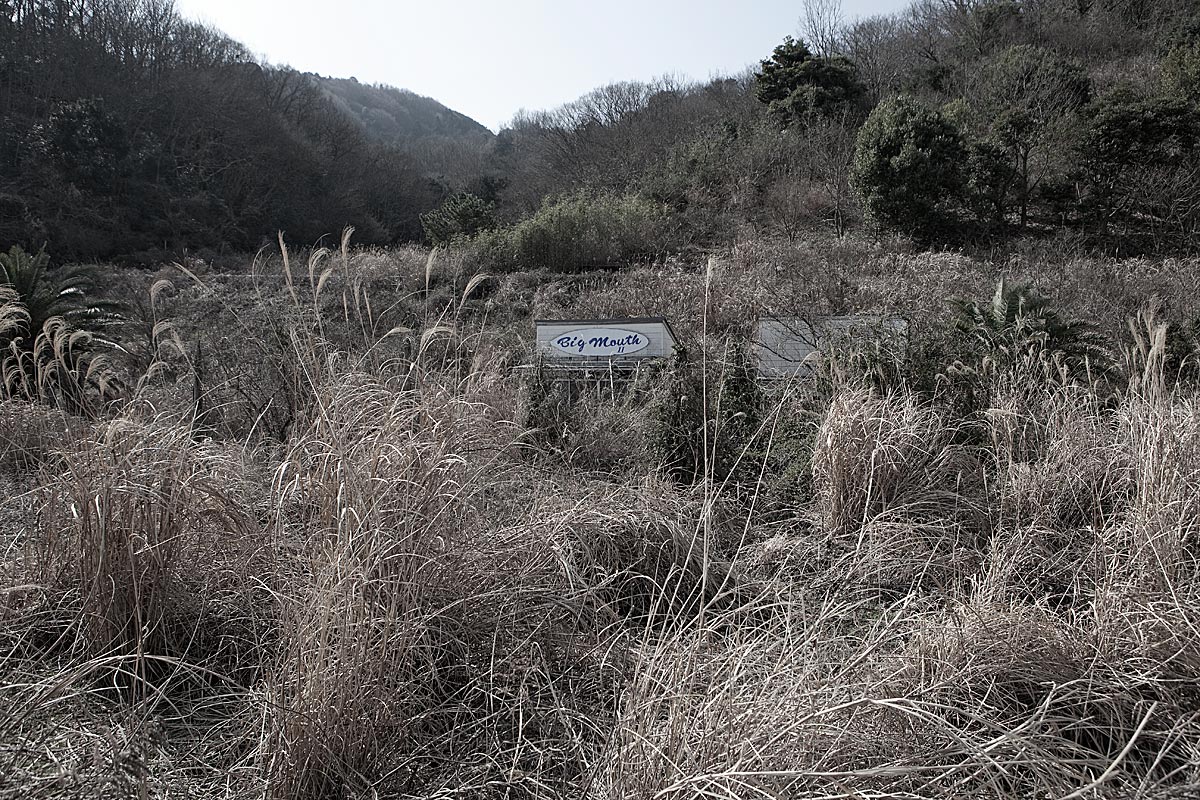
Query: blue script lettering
(584, 343)
(570, 343)
(633, 340)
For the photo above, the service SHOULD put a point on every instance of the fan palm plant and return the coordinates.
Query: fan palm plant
(1021, 321)
(68, 293)
(50, 324)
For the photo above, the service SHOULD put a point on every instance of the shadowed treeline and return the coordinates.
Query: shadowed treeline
(129, 132)
(126, 130)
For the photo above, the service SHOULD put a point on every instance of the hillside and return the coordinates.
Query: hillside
(398, 116)
(1024, 122)
(148, 135)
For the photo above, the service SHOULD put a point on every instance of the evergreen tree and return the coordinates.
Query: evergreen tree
(908, 167)
(796, 85)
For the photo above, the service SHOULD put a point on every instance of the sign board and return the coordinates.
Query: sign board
(600, 342)
(785, 345)
(584, 341)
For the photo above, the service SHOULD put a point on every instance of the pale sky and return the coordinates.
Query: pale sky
(489, 59)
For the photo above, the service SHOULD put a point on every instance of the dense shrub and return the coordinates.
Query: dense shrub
(577, 233)
(463, 214)
(908, 167)
(1020, 318)
(779, 460)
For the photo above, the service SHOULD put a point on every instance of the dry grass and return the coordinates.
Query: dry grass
(29, 432)
(142, 535)
(379, 489)
(388, 591)
(900, 501)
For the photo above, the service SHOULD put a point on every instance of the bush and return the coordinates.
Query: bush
(51, 325)
(908, 166)
(578, 233)
(1020, 327)
(463, 214)
(784, 455)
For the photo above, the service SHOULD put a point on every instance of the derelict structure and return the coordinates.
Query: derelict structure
(784, 347)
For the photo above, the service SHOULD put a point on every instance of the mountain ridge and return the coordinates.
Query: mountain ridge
(392, 115)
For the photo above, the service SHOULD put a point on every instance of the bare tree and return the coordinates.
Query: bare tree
(812, 191)
(821, 26)
(878, 49)
(831, 154)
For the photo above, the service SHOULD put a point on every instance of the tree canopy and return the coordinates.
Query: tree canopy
(795, 84)
(909, 167)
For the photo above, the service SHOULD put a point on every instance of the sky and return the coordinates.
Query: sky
(490, 59)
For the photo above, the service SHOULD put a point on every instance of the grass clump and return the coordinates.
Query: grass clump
(899, 499)
(145, 541)
(421, 632)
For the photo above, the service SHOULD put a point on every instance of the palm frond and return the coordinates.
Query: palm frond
(1019, 319)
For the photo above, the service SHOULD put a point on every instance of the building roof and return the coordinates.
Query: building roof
(611, 321)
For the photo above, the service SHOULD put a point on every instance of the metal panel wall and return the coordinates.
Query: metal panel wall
(785, 345)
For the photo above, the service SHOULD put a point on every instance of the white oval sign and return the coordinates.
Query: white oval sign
(600, 342)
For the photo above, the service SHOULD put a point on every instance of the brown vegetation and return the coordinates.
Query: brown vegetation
(349, 550)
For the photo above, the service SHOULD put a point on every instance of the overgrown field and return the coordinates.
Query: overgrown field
(311, 530)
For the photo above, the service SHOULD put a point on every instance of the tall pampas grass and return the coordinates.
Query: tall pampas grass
(389, 592)
(901, 501)
(144, 541)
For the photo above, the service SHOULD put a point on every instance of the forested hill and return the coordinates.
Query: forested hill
(126, 130)
(129, 131)
(398, 116)
(953, 123)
